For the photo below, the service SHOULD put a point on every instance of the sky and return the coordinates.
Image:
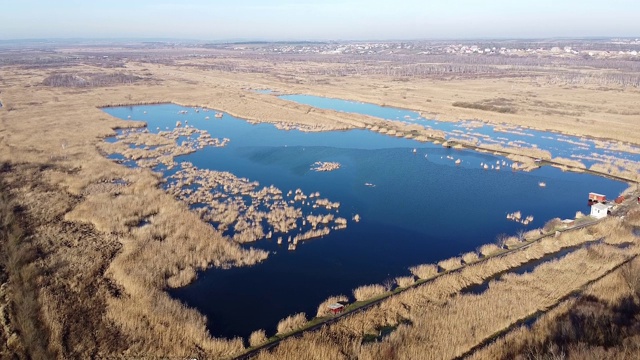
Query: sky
(318, 20)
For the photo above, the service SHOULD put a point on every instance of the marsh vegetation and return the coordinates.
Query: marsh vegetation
(86, 265)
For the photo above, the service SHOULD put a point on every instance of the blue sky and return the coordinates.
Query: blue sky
(317, 20)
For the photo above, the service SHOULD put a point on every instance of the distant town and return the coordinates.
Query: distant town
(613, 48)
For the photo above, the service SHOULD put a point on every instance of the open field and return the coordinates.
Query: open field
(81, 279)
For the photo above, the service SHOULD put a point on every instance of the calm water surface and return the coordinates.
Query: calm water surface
(423, 208)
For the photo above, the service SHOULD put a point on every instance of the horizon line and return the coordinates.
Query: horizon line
(262, 40)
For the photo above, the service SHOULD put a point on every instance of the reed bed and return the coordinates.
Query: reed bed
(633, 217)
(366, 292)
(257, 338)
(488, 249)
(553, 336)
(512, 242)
(323, 308)
(424, 271)
(292, 323)
(450, 264)
(470, 257)
(404, 281)
(569, 162)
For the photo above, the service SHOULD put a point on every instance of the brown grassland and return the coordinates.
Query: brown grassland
(80, 279)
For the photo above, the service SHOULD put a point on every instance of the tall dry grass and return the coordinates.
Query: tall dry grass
(633, 217)
(291, 323)
(21, 326)
(404, 281)
(424, 271)
(488, 249)
(366, 292)
(451, 263)
(323, 308)
(601, 317)
(470, 257)
(257, 338)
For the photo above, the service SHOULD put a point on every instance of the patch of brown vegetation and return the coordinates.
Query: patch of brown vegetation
(601, 323)
(57, 318)
(89, 79)
(499, 106)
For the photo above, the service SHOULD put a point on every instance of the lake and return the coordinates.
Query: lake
(415, 207)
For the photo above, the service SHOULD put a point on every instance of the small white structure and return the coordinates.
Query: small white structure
(599, 210)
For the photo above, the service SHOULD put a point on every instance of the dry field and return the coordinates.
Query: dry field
(80, 279)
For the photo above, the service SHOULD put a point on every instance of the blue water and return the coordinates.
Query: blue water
(423, 208)
(559, 145)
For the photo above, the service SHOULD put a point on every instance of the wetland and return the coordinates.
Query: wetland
(390, 203)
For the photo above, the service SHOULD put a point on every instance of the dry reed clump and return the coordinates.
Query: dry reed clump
(317, 345)
(292, 323)
(451, 263)
(323, 308)
(257, 338)
(366, 292)
(470, 257)
(569, 162)
(444, 332)
(605, 314)
(633, 217)
(615, 229)
(424, 271)
(22, 330)
(512, 242)
(488, 249)
(552, 225)
(404, 281)
(485, 107)
(626, 169)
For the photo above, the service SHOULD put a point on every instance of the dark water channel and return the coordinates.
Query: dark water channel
(419, 207)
